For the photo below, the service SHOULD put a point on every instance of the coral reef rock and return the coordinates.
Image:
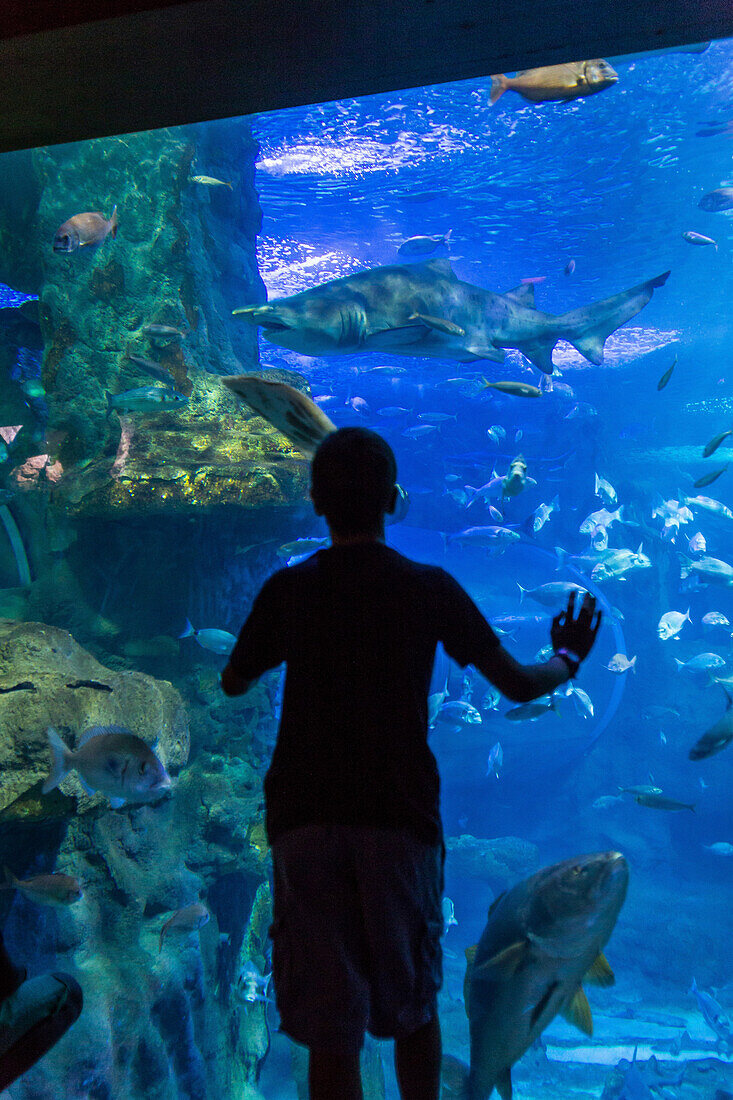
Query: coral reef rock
(499, 862)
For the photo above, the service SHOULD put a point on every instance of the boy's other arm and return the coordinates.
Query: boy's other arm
(261, 642)
(232, 683)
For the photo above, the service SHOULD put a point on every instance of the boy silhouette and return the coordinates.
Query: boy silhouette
(352, 792)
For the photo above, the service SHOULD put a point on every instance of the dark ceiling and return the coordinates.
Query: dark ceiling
(67, 73)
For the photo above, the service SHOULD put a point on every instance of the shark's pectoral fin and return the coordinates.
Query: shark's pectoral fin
(539, 352)
(476, 351)
(395, 337)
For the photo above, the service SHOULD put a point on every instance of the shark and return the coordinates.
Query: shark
(424, 310)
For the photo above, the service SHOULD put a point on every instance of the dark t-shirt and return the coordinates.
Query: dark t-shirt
(358, 626)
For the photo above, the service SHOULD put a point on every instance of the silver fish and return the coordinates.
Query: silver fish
(112, 761)
(144, 399)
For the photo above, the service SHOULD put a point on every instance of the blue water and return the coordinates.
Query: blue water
(610, 182)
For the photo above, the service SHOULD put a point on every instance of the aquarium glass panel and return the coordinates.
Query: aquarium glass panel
(523, 284)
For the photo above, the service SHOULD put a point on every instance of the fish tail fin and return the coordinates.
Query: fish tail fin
(587, 329)
(113, 223)
(561, 555)
(455, 1076)
(228, 184)
(188, 630)
(10, 880)
(499, 85)
(632, 664)
(108, 397)
(521, 591)
(60, 761)
(680, 664)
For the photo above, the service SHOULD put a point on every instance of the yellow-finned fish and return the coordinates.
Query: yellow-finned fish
(551, 82)
(210, 181)
(543, 938)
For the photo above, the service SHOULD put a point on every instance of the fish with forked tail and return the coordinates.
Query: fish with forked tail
(557, 82)
(85, 230)
(375, 310)
(109, 760)
(543, 938)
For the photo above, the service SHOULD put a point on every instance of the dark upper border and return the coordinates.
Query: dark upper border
(70, 69)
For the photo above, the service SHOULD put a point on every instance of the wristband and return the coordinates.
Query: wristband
(572, 660)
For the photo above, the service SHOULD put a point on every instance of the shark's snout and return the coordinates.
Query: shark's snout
(264, 316)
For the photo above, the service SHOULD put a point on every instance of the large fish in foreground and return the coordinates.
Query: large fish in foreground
(298, 418)
(424, 310)
(288, 410)
(542, 939)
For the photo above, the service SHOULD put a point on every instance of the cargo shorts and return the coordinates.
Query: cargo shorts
(357, 924)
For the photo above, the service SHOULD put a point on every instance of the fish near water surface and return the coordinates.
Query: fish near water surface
(84, 230)
(557, 82)
(543, 937)
(372, 310)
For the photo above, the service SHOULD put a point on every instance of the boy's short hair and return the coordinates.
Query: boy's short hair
(353, 475)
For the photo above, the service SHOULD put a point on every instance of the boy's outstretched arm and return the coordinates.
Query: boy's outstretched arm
(572, 639)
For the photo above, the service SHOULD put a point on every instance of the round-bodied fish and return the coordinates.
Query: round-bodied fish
(188, 919)
(551, 594)
(112, 761)
(543, 938)
(671, 623)
(56, 890)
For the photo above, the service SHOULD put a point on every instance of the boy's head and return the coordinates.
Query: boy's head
(353, 476)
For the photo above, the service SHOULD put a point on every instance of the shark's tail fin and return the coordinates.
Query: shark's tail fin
(588, 329)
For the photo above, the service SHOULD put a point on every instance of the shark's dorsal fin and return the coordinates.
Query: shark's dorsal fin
(523, 295)
(440, 267)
